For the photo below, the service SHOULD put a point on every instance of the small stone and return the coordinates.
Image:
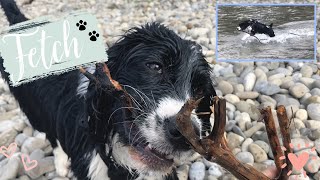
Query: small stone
(10, 170)
(28, 131)
(313, 165)
(307, 81)
(298, 90)
(312, 124)
(242, 119)
(234, 140)
(296, 124)
(313, 111)
(238, 88)
(263, 145)
(266, 88)
(32, 144)
(264, 98)
(251, 109)
(300, 144)
(215, 171)
(315, 134)
(230, 125)
(197, 171)
(248, 125)
(245, 144)
(44, 165)
(225, 87)
(302, 114)
(249, 81)
(258, 153)
(235, 151)
(182, 172)
(247, 95)
(245, 157)
(20, 138)
(238, 131)
(306, 71)
(254, 129)
(37, 154)
(7, 137)
(232, 98)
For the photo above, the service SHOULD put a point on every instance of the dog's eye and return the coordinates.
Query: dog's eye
(155, 66)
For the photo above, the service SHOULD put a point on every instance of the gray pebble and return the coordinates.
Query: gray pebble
(238, 131)
(247, 95)
(215, 171)
(245, 144)
(263, 145)
(245, 157)
(313, 111)
(258, 153)
(254, 129)
(298, 90)
(225, 87)
(234, 140)
(230, 125)
(197, 171)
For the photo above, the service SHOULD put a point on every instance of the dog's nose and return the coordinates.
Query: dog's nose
(174, 136)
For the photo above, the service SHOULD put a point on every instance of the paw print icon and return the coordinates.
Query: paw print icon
(93, 35)
(81, 25)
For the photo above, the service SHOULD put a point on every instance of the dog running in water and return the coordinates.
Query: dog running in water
(253, 27)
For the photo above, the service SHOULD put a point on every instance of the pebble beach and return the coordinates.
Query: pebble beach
(247, 87)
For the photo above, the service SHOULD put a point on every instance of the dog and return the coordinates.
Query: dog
(253, 26)
(158, 69)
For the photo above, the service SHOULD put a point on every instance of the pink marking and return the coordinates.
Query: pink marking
(313, 157)
(299, 146)
(289, 173)
(291, 145)
(283, 148)
(313, 149)
(284, 165)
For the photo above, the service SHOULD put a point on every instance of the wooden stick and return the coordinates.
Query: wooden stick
(284, 128)
(214, 147)
(273, 137)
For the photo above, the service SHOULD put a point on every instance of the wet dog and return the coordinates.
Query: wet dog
(253, 26)
(159, 70)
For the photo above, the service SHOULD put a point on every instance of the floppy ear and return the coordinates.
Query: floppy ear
(271, 25)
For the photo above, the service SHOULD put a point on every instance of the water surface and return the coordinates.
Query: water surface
(293, 27)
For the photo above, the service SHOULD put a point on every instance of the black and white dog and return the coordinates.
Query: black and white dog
(253, 26)
(158, 69)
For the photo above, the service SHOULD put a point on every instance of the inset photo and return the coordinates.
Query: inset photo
(266, 32)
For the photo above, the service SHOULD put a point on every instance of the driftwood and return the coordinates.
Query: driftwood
(214, 147)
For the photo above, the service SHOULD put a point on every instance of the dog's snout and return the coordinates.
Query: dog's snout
(174, 136)
(172, 129)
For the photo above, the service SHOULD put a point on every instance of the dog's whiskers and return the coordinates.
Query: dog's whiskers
(140, 93)
(143, 114)
(120, 109)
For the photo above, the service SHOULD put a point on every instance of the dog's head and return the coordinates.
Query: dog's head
(160, 71)
(268, 30)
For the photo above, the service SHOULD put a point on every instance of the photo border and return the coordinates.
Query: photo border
(268, 60)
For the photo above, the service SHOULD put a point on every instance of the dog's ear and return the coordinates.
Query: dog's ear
(271, 25)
